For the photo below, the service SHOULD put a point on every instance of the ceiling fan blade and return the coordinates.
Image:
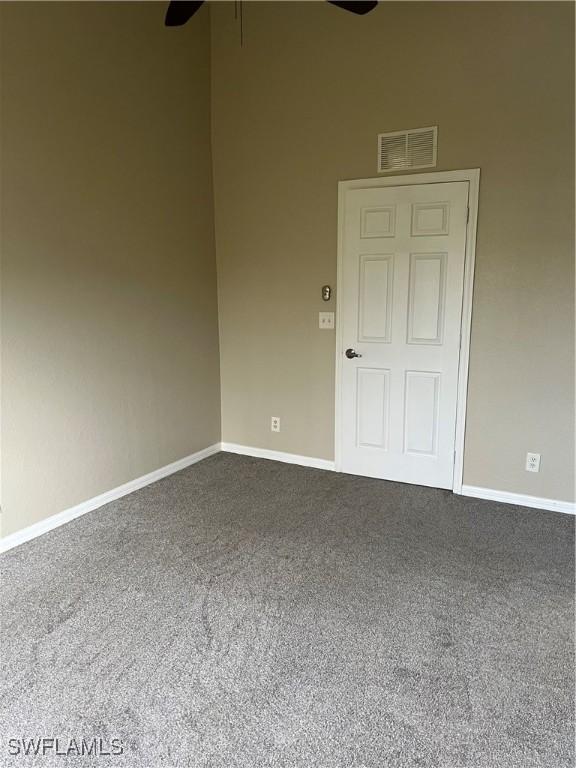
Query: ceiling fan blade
(179, 11)
(355, 7)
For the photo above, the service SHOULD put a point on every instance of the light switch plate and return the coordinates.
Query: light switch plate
(326, 320)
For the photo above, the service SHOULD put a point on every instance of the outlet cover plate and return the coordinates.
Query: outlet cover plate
(532, 462)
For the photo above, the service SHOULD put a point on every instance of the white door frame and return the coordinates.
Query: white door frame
(472, 176)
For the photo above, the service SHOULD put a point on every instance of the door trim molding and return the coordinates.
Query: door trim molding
(472, 176)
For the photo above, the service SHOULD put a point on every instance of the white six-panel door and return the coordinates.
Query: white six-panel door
(403, 253)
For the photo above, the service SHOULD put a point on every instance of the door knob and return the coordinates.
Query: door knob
(350, 354)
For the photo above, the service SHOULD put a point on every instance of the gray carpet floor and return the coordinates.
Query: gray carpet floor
(246, 613)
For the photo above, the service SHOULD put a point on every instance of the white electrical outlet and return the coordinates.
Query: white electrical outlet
(275, 424)
(532, 462)
(326, 320)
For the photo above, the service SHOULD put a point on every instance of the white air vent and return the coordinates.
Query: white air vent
(407, 149)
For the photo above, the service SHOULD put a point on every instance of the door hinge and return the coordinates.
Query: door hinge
(467, 214)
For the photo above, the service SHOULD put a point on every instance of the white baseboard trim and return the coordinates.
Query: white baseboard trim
(553, 505)
(54, 521)
(288, 458)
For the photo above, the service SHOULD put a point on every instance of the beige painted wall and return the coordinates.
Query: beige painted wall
(110, 362)
(109, 323)
(297, 109)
